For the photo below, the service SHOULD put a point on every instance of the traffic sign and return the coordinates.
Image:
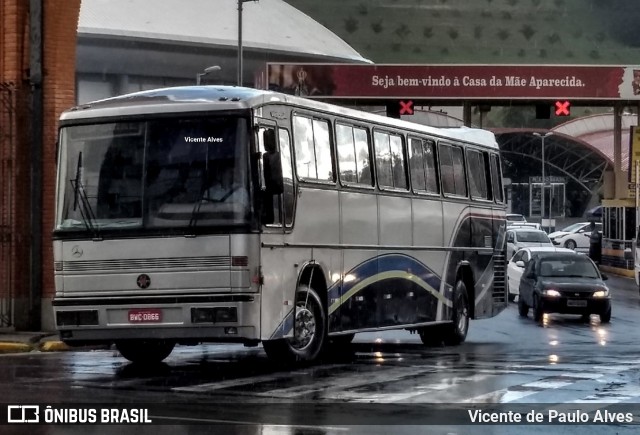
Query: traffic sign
(563, 108)
(406, 107)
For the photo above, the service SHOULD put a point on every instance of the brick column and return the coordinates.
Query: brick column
(59, 58)
(14, 163)
(59, 88)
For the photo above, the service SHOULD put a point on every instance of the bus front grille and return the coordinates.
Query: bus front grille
(146, 263)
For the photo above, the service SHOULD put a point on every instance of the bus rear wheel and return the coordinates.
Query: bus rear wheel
(145, 351)
(456, 333)
(309, 331)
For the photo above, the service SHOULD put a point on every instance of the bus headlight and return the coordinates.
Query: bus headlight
(601, 294)
(552, 293)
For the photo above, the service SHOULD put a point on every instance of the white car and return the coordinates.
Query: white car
(574, 236)
(513, 218)
(518, 262)
(534, 225)
(521, 237)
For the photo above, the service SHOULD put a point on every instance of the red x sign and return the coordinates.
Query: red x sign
(406, 107)
(562, 108)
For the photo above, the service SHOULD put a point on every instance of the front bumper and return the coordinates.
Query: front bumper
(564, 305)
(181, 319)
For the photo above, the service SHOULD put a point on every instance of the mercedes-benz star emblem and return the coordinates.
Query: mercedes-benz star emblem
(143, 281)
(76, 251)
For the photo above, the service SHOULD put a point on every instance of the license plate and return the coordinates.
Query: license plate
(576, 303)
(147, 315)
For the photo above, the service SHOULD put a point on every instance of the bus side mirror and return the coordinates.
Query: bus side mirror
(271, 165)
(273, 173)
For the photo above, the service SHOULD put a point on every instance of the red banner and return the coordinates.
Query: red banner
(485, 82)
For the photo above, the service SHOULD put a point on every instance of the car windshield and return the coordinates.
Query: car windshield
(578, 267)
(158, 173)
(532, 237)
(515, 218)
(574, 227)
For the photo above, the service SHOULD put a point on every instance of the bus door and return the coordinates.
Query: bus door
(276, 198)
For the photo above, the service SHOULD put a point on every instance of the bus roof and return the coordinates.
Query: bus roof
(206, 98)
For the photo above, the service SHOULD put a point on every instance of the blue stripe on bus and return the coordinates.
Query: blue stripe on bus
(381, 264)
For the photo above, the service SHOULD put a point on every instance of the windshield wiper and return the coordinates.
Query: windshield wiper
(88, 217)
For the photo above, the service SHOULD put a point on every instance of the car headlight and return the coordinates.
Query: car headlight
(601, 294)
(552, 293)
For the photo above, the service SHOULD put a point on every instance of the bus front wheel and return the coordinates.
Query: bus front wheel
(456, 333)
(309, 331)
(145, 351)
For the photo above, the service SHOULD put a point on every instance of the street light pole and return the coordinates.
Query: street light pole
(240, 40)
(206, 71)
(542, 195)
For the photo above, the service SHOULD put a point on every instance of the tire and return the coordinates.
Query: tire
(145, 351)
(523, 308)
(538, 312)
(456, 333)
(570, 244)
(606, 316)
(586, 318)
(310, 331)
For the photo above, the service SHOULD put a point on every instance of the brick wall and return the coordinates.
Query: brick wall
(60, 30)
(14, 155)
(59, 57)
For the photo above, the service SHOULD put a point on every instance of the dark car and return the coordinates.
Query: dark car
(567, 283)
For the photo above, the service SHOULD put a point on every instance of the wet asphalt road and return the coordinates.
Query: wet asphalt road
(384, 383)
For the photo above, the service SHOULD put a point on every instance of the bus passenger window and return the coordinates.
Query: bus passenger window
(313, 149)
(477, 174)
(496, 179)
(422, 165)
(452, 170)
(353, 155)
(397, 161)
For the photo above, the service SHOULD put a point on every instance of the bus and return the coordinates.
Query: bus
(334, 222)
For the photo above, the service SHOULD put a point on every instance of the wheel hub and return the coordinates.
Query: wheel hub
(462, 318)
(304, 328)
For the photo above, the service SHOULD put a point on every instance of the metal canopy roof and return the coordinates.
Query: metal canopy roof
(565, 156)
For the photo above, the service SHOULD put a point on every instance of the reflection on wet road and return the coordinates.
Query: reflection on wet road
(506, 359)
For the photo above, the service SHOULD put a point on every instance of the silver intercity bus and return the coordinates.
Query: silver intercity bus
(227, 214)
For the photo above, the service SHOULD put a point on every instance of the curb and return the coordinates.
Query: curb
(36, 343)
(53, 346)
(9, 347)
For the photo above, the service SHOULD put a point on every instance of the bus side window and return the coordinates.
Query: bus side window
(496, 179)
(286, 176)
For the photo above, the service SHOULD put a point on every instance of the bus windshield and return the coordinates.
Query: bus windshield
(178, 173)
